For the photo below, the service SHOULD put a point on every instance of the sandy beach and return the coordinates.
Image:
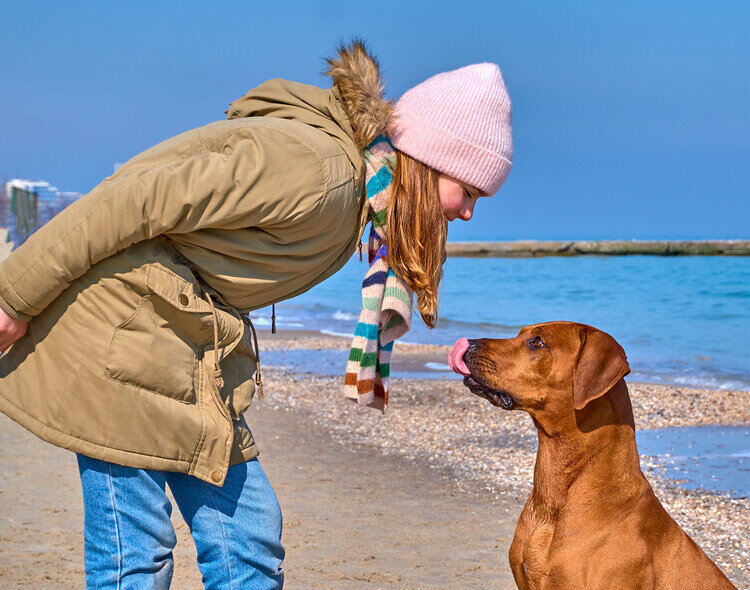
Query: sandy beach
(353, 518)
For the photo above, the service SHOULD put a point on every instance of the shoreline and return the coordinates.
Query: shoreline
(424, 496)
(409, 357)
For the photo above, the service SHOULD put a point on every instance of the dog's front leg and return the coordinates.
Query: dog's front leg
(518, 547)
(515, 556)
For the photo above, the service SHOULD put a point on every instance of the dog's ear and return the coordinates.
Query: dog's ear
(601, 364)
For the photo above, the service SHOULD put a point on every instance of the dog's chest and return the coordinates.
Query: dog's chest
(532, 545)
(542, 564)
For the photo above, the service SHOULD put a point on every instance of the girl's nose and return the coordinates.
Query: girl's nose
(467, 212)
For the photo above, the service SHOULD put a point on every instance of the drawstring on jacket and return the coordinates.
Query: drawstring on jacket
(258, 382)
(217, 369)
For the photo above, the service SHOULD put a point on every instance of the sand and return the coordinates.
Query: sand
(352, 517)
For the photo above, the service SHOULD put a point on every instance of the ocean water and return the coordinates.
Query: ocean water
(703, 457)
(681, 320)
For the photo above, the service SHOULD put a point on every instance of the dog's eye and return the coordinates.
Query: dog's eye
(537, 342)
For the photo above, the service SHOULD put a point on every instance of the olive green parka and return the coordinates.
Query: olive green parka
(134, 291)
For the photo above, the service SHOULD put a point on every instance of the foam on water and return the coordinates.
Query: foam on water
(342, 315)
(334, 333)
(437, 366)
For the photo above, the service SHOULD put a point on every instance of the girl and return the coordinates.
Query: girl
(127, 311)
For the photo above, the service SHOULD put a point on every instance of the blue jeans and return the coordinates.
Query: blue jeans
(128, 535)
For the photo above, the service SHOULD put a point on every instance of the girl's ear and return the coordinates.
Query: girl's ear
(601, 364)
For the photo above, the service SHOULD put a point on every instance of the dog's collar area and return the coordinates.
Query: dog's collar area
(494, 396)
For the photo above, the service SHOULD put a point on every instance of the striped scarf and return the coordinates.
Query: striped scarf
(386, 299)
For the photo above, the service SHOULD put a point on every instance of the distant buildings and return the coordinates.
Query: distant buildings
(26, 205)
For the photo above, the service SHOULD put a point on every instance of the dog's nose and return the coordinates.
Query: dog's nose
(456, 357)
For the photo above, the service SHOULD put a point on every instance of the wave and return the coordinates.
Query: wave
(264, 322)
(344, 316)
(711, 382)
(321, 311)
(260, 321)
(444, 322)
(704, 381)
(334, 333)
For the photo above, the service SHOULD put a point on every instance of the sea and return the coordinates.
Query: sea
(682, 320)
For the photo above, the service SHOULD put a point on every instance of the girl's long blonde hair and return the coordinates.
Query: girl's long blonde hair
(416, 232)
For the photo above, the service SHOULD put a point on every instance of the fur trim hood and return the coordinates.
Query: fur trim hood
(356, 75)
(354, 102)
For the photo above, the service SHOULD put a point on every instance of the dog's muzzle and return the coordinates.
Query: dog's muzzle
(494, 396)
(457, 362)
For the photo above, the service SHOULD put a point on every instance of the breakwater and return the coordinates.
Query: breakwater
(534, 248)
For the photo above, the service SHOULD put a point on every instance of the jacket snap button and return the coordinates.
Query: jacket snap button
(216, 476)
(183, 299)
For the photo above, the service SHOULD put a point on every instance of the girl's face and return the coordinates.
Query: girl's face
(457, 198)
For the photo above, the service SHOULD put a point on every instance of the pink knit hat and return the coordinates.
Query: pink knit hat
(458, 122)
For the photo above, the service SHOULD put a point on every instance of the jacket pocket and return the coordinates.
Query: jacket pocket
(147, 353)
(158, 346)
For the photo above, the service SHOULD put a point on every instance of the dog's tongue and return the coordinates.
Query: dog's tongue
(456, 357)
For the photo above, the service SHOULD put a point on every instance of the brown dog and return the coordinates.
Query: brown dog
(592, 520)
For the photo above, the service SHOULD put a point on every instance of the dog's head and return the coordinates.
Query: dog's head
(552, 368)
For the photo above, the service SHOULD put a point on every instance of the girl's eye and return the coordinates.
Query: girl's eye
(468, 194)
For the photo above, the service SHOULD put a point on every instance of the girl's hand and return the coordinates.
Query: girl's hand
(10, 330)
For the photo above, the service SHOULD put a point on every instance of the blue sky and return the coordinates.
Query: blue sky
(631, 120)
